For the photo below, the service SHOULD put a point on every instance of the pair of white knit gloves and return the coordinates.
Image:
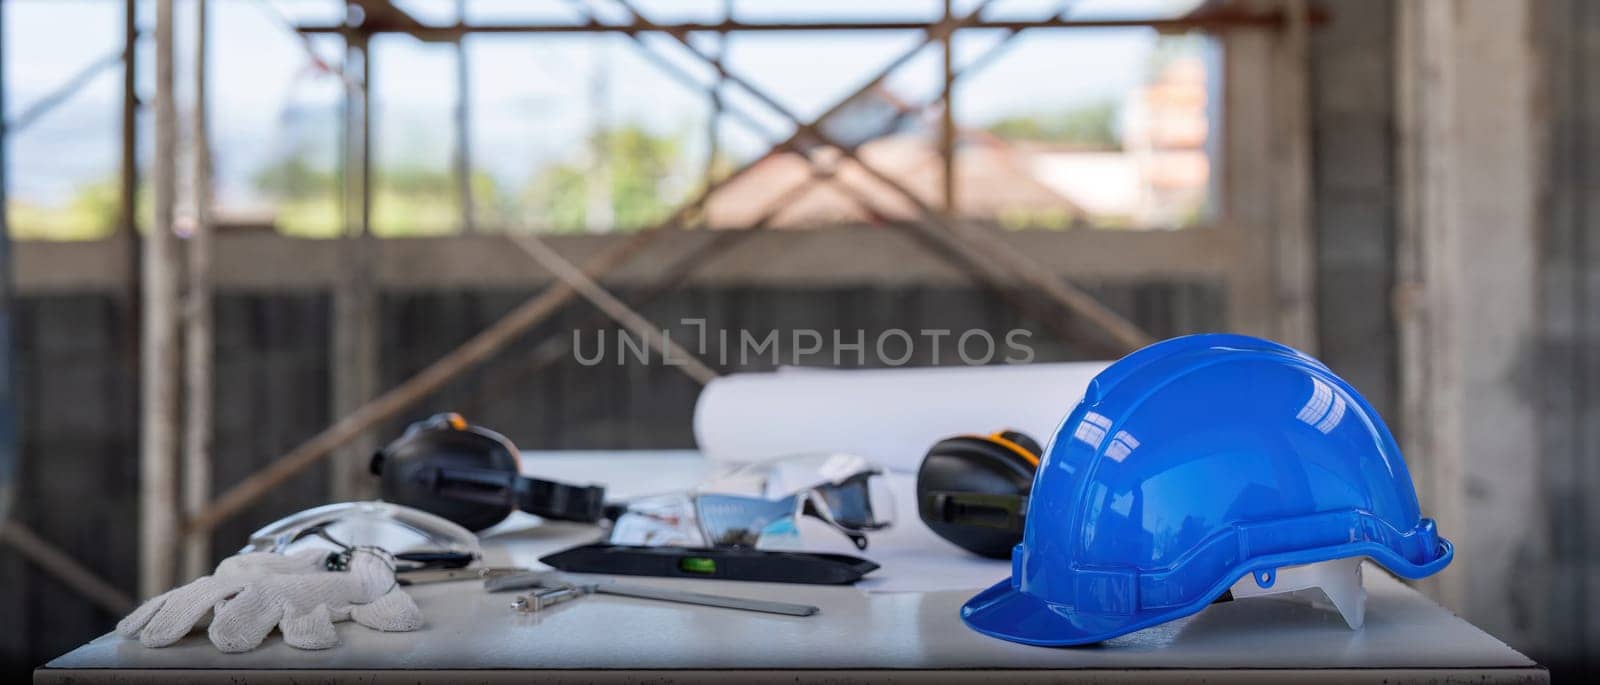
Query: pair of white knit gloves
(252, 593)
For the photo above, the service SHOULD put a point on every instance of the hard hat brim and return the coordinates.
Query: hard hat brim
(1007, 613)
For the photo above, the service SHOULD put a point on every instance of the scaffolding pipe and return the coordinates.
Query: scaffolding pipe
(64, 92)
(619, 311)
(947, 115)
(983, 278)
(160, 424)
(1210, 22)
(463, 123)
(9, 444)
(714, 116)
(198, 329)
(673, 275)
(129, 178)
(62, 567)
(354, 374)
(127, 189)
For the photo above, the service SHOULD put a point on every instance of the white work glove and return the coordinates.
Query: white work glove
(251, 593)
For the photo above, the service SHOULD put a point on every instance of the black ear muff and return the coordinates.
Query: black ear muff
(973, 490)
(469, 475)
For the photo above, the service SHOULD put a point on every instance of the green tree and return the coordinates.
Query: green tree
(407, 199)
(294, 178)
(90, 214)
(640, 166)
(1092, 126)
(304, 195)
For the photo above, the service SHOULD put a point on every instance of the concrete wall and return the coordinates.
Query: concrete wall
(1566, 389)
(1502, 279)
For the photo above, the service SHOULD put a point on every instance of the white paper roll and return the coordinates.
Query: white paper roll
(891, 416)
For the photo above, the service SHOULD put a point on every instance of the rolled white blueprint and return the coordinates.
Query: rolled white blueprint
(891, 416)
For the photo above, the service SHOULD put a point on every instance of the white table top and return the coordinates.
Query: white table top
(471, 634)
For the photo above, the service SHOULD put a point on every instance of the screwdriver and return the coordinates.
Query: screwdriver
(544, 598)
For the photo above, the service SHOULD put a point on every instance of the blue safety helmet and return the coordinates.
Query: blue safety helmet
(1188, 465)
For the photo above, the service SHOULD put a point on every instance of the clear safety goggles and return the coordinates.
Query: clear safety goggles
(414, 537)
(843, 492)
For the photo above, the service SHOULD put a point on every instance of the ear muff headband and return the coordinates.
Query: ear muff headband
(454, 420)
(999, 438)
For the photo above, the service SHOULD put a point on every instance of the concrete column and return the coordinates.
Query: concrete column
(161, 421)
(1472, 128)
(1264, 169)
(354, 373)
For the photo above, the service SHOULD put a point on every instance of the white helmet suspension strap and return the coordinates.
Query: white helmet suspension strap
(1332, 584)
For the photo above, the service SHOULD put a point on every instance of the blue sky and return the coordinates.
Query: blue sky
(531, 97)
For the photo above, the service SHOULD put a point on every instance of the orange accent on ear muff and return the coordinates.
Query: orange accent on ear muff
(998, 438)
(456, 421)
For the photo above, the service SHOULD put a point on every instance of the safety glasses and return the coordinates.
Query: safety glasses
(853, 504)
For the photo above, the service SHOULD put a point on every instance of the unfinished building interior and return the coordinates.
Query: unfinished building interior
(1405, 190)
